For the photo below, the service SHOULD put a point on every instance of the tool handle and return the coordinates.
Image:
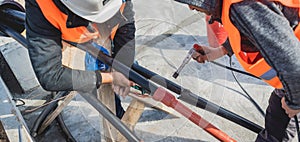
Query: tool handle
(184, 62)
(169, 100)
(198, 49)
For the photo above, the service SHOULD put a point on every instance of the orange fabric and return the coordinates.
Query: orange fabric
(297, 31)
(58, 19)
(260, 67)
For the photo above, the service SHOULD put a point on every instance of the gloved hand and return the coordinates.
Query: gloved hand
(121, 84)
(205, 53)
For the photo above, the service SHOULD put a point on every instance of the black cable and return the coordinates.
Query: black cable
(46, 112)
(236, 70)
(64, 128)
(248, 96)
(20, 100)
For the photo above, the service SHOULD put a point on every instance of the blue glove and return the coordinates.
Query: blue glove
(94, 64)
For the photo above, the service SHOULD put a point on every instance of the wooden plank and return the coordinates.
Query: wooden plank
(107, 97)
(57, 111)
(105, 92)
(131, 117)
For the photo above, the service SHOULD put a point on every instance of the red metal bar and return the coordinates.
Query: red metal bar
(169, 100)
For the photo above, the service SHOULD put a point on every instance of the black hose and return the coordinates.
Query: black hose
(12, 18)
(15, 35)
(14, 15)
(46, 112)
(235, 70)
(64, 128)
(247, 94)
(117, 65)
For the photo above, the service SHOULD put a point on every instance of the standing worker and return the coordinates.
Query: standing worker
(49, 23)
(264, 35)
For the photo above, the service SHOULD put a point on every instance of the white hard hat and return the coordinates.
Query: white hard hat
(97, 11)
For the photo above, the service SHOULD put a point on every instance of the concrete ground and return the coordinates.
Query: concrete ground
(165, 32)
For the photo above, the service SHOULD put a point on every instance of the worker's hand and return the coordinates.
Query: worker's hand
(205, 53)
(290, 112)
(121, 84)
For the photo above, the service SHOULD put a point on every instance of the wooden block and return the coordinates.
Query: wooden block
(147, 100)
(131, 117)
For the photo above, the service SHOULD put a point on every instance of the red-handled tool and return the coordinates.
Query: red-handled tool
(169, 100)
(196, 48)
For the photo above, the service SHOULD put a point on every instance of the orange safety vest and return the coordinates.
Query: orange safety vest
(260, 68)
(58, 19)
(216, 34)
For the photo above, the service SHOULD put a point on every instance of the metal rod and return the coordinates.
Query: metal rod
(108, 115)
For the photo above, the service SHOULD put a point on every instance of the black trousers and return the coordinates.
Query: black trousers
(278, 126)
(119, 109)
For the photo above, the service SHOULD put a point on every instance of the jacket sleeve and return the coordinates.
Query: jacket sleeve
(272, 33)
(124, 41)
(44, 45)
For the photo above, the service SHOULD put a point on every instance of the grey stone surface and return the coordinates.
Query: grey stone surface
(166, 31)
(18, 60)
(11, 119)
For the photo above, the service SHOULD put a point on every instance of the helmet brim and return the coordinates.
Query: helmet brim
(108, 11)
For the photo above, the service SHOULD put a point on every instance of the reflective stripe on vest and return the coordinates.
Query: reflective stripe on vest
(260, 68)
(58, 19)
(269, 75)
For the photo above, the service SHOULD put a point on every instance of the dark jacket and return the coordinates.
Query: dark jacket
(44, 44)
(270, 31)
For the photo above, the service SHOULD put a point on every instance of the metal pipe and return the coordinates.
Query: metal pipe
(15, 35)
(14, 14)
(108, 115)
(12, 18)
